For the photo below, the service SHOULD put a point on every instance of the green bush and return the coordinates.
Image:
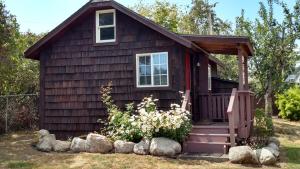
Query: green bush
(263, 129)
(263, 125)
(289, 103)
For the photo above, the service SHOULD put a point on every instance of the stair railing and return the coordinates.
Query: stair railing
(233, 112)
(240, 114)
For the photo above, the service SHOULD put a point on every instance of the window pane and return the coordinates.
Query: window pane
(106, 19)
(148, 60)
(142, 80)
(142, 70)
(163, 69)
(148, 80)
(156, 59)
(156, 70)
(157, 80)
(148, 70)
(163, 58)
(107, 33)
(142, 60)
(164, 79)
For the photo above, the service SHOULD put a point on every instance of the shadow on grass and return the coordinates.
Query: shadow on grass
(290, 131)
(20, 164)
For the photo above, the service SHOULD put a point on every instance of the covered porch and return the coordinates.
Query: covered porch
(217, 103)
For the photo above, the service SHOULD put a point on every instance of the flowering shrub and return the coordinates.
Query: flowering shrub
(119, 126)
(174, 123)
(148, 121)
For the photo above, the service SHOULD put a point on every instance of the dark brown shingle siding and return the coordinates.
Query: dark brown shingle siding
(74, 68)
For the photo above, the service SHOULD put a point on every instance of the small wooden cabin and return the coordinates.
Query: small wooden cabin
(104, 41)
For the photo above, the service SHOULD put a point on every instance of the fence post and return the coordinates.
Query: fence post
(6, 116)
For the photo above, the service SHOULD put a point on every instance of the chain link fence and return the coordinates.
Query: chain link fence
(18, 112)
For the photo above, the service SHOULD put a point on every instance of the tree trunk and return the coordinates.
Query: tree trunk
(269, 100)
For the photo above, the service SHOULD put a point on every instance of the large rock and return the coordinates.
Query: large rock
(78, 145)
(123, 146)
(275, 152)
(96, 143)
(61, 146)
(273, 146)
(265, 156)
(242, 155)
(46, 142)
(164, 147)
(142, 148)
(43, 132)
(274, 140)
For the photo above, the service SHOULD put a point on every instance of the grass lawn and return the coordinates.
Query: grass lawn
(16, 152)
(289, 136)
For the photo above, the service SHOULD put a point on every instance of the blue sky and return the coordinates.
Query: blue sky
(43, 15)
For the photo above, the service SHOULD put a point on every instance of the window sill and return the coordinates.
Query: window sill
(157, 88)
(105, 43)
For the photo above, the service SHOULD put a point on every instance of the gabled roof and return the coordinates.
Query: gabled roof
(33, 51)
(196, 42)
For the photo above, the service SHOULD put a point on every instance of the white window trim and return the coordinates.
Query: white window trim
(209, 76)
(98, 27)
(152, 70)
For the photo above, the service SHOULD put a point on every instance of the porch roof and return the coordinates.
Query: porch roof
(218, 44)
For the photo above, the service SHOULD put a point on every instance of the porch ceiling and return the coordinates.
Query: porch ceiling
(217, 44)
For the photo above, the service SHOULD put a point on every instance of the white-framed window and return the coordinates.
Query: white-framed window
(152, 69)
(209, 77)
(105, 26)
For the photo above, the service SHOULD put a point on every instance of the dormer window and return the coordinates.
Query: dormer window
(106, 26)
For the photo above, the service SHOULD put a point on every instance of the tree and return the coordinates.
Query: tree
(202, 19)
(230, 69)
(162, 12)
(17, 74)
(274, 44)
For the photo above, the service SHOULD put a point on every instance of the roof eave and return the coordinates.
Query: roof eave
(33, 51)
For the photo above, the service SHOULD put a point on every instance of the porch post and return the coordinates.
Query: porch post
(246, 71)
(240, 64)
(187, 71)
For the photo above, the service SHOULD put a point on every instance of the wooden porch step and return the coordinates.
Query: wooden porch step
(215, 157)
(210, 126)
(208, 137)
(204, 142)
(205, 147)
(211, 135)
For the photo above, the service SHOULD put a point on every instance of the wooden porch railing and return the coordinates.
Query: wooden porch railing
(186, 101)
(213, 106)
(240, 114)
